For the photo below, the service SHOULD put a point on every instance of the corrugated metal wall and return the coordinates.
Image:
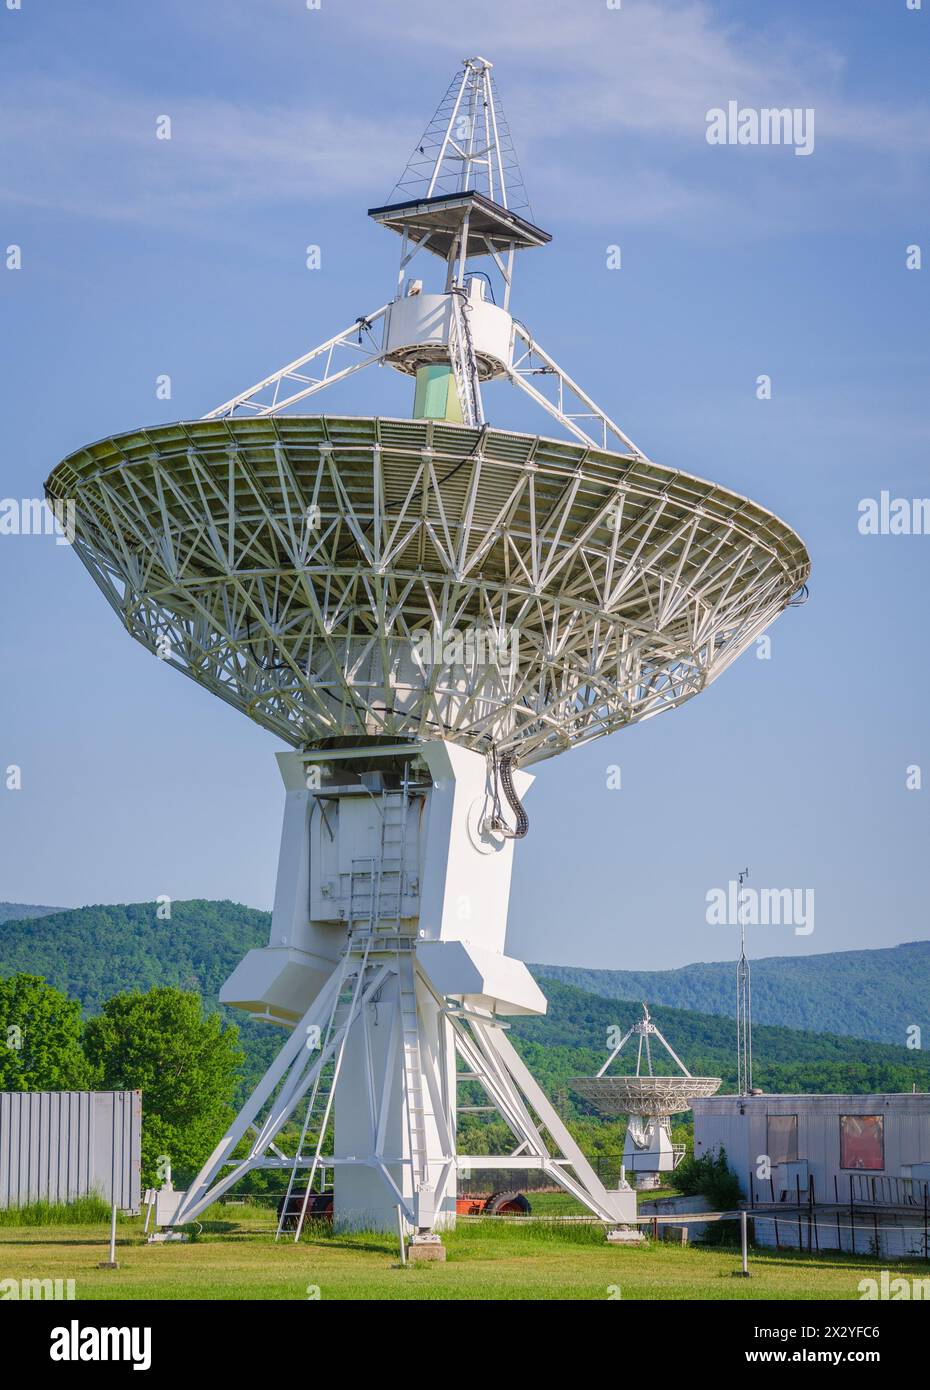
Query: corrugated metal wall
(58, 1145)
(739, 1125)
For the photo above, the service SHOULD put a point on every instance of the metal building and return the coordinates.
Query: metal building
(827, 1171)
(58, 1145)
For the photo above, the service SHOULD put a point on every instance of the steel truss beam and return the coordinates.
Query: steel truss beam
(534, 361)
(266, 397)
(498, 1067)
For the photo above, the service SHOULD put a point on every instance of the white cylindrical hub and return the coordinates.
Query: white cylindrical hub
(419, 327)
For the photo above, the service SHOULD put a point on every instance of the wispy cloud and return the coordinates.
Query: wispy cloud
(647, 66)
(607, 105)
(72, 148)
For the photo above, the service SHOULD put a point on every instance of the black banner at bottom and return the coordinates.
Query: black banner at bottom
(161, 1338)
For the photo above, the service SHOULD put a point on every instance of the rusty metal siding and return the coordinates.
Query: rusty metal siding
(58, 1145)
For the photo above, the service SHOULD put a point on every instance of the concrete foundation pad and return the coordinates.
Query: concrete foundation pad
(625, 1235)
(421, 1249)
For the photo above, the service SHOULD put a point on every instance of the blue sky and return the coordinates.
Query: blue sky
(142, 257)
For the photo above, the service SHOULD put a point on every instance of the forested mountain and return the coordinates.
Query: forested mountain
(864, 994)
(93, 952)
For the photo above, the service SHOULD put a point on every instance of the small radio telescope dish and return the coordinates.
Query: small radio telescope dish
(648, 1101)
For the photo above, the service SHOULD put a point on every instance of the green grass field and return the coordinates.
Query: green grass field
(237, 1258)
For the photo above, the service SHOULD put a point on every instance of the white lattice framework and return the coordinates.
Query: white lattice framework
(311, 570)
(467, 144)
(391, 588)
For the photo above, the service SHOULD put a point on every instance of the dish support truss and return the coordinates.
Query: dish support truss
(396, 991)
(603, 590)
(477, 339)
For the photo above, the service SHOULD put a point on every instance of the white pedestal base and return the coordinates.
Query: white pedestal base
(408, 898)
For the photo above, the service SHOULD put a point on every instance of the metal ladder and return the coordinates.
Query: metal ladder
(362, 896)
(320, 1091)
(323, 1092)
(413, 1072)
(368, 908)
(464, 363)
(393, 849)
(349, 1010)
(376, 882)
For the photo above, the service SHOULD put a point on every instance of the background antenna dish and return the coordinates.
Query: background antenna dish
(648, 1101)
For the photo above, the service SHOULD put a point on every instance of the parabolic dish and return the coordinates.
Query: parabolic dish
(644, 1095)
(362, 577)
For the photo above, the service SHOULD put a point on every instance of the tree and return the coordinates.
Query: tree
(184, 1062)
(709, 1176)
(40, 1038)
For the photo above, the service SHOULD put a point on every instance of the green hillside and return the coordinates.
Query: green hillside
(864, 994)
(93, 953)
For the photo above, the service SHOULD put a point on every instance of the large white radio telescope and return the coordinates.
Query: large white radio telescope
(418, 608)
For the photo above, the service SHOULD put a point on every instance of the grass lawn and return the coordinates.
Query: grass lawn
(237, 1258)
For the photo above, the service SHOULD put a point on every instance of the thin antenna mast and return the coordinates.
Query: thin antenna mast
(743, 1002)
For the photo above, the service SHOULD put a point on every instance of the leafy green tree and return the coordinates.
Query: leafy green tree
(183, 1060)
(40, 1038)
(710, 1176)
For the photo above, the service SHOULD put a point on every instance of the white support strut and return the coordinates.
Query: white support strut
(363, 345)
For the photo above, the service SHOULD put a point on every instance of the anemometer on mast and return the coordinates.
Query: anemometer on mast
(743, 1001)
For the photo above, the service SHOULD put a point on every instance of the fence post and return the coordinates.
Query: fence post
(774, 1218)
(812, 1214)
(744, 1243)
(111, 1262)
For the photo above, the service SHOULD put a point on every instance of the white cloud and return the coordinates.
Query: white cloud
(648, 66)
(607, 108)
(72, 148)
